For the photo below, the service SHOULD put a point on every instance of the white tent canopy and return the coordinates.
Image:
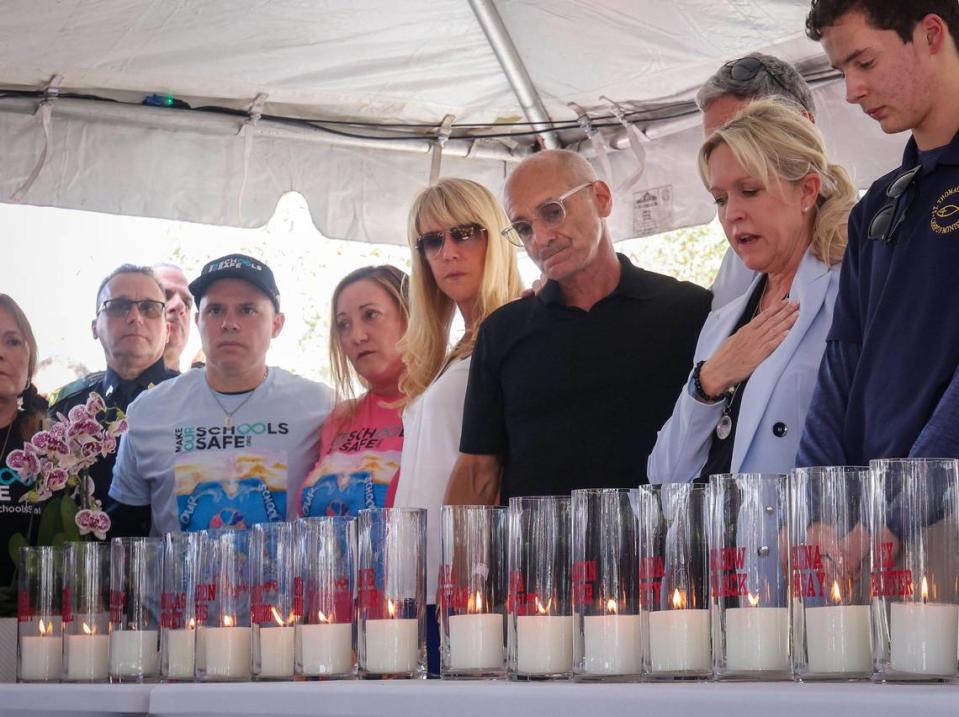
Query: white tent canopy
(413, 62)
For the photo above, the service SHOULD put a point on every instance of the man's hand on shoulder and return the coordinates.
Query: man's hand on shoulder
(475, 480)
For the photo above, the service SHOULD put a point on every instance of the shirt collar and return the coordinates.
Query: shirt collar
(910, 156)
(631, 284)
(156, 373)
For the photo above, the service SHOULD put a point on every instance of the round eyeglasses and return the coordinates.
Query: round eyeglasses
(550, 213)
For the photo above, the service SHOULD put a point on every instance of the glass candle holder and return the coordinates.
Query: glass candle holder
(673, 580)
(539, 604)
(39, 609)
(472, 592)
(607, 632)
(391, 591)
(135, 570)
(86, 616)
(271, 610)
(177, 607)
(914, 557)
(223, 639)
(829, 573)
(747, 576)
(324, 565)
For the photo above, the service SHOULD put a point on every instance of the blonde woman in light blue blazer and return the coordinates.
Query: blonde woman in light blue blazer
(784, 210)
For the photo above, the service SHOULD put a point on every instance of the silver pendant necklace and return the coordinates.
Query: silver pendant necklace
(228, 421)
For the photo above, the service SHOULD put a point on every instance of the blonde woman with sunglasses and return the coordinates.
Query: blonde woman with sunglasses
(461, 264)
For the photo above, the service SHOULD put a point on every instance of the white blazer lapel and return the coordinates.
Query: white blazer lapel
(809, 289)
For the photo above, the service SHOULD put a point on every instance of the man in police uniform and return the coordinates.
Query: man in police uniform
(131, 326)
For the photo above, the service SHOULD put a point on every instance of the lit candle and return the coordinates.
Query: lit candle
(611, 642)
(88, 655)
(476, 638)
(325, 648)
(227, 651)
(392, 645)
(757, 638)
(679, 638)
(276, 649)
(923, 636)
(181, 652)
(544, 642)
(838, 637)
(41, 656)
(134, 653)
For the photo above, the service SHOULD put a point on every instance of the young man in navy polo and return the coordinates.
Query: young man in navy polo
(888, 385)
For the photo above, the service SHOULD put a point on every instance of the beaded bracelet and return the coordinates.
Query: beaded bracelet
(698, 387)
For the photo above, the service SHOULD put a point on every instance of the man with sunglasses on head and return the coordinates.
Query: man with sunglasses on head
(131, 326)
(722, 97)
(888, 385)
(568, 388)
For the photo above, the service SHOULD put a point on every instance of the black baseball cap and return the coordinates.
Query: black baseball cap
(236, 266)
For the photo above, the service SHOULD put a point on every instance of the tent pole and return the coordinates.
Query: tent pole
(502, 45)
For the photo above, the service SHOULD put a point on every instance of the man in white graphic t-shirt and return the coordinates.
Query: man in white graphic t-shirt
(223, 446)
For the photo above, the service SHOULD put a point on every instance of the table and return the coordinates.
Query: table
(482, 699)
(74, 700)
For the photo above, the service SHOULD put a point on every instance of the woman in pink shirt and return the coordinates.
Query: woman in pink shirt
(361, 441)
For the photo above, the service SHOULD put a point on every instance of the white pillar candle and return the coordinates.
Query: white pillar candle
(227, 652)
(838, 639)
(324, 649)
(41, 657)
(180, 653)
(88, 657)
(134, 653)
(276, 652)
(611, 644)
(476, 641)
(679, 641)
(392, 645)
(756, 639)
(544, 644)
(923, 638)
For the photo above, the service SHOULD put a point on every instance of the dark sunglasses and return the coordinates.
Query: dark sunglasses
(746, 68)
(431, 243)
(882, 225)
(121, 308)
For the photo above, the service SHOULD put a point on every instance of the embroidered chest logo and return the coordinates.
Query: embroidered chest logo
(945, 213)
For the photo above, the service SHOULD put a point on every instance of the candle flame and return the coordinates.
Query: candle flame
(322, 617)
(611, 607)
(679, 600)
(276, 616)
(925, 589)
(228, 621)
(45, 628)
(390, 608)
(475, 603)
(89, 630)
(835, 593)
(192, 624)
(753, 599)
(540, 608)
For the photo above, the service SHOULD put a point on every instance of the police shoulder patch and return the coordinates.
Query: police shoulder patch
(75, 387)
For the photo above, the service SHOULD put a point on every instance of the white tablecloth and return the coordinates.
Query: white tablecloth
(434, 698)
(79, 700)
(485, 699)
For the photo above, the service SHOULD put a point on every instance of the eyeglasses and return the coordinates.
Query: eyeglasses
(431, 243)
(746, 68)
(551, 213)
(882, 226)
(120, 308)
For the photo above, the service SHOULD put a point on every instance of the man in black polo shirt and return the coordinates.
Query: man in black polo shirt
(568, 388)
